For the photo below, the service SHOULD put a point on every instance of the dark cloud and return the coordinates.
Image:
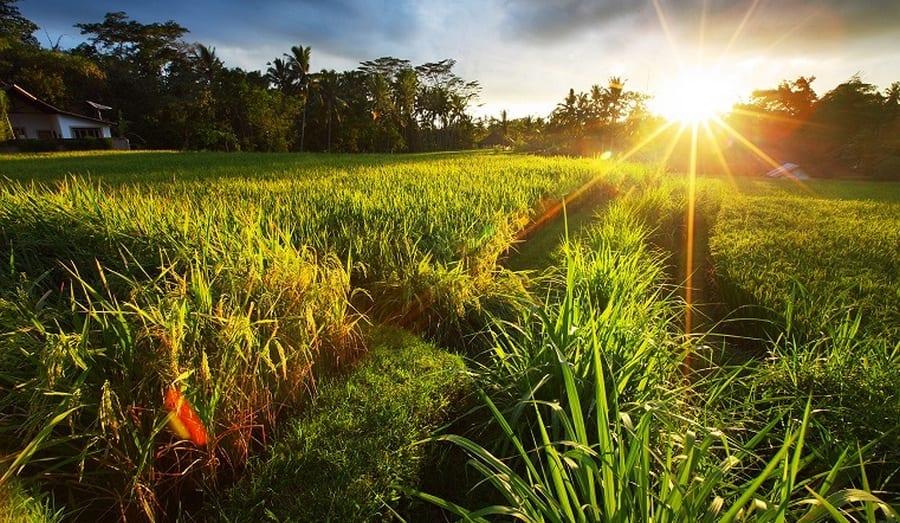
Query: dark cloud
(571, 42)
(365, 28)
(567, 19)
(789, 24)
(341, 27)
(762, 23)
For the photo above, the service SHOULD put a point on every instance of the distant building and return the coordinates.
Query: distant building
(30, 118)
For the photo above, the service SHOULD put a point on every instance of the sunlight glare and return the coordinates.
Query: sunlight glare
(694, 96)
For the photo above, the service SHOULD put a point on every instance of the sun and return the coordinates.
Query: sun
(694, 96)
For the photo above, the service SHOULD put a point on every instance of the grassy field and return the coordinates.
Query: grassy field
(243, 282)
(238, 289)
(820, 270)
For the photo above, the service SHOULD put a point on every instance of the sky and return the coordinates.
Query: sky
(527, 54)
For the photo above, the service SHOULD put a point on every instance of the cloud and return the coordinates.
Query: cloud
(528, 52)
(342, 28)
(568, 19)
(749, 23)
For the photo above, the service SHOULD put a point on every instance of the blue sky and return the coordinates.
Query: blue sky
(527, 53)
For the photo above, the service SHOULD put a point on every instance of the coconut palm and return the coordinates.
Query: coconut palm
(406, 85)
(280, 75)
(298, 61)
(206, 64)
(328, 88)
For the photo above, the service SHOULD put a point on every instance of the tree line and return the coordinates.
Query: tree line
(853, 129)
(603, 120)
(167, 93)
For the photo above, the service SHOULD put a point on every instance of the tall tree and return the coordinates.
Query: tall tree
(406, 85)
(382, 112)
(793, 99)
(298, 61)
(329, 84)
(147, 47)
(613, 99)
(58, 77)
(138, 59)
(847, 120)
(281, 76)
(15, 28)
(442, 94)
(206, 64)
(387, 66)
(566, 114)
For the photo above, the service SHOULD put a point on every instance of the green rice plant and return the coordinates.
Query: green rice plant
(612, 280)
(817, 277)
(18, 506)
(86, 396)
(389, 215)
(809, 260)
(594, 399)
(92, 403)
(606, 457)
(229, 282)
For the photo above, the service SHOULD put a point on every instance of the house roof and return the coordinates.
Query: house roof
(34, 101)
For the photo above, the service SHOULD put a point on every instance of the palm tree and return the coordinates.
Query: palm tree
(381, 103)
(566, 113)
(280, 76)
(206, 63)
(328, 87)
(406, 85)
(614, 98)
(298, 61)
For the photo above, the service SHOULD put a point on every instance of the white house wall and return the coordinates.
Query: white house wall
(58, 123)
(34, 122)
(66, 123)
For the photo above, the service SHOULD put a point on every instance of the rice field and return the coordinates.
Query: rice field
(240, 282)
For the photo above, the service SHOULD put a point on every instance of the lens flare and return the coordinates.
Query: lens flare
(183, 419)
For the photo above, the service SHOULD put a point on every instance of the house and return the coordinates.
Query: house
(31, 118)
(496, 139)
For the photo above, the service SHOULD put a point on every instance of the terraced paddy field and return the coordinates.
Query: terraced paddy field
(203, 335)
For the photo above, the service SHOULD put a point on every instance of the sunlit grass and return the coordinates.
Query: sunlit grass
(243, 280)
(234, 279)
(594, 421)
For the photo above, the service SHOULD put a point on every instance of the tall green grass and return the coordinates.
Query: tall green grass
(813, 260)
(83, 386)
(613, 410)
(19, 506)
(400, 222)
(243, 280)
(236, 284)
(821, 275)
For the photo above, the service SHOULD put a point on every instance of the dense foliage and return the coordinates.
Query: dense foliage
(851, 129)
(603, 411)
(169, 93)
